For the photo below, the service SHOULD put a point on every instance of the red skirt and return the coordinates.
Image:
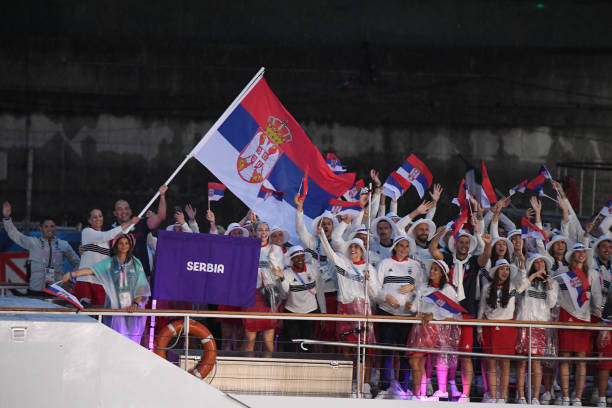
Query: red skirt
(538, 341)
(604, 347)
(466, 341)
(499, 340)
(326, 331)
(91, 293)
(227, 320)
(256, 325)
(573, 340)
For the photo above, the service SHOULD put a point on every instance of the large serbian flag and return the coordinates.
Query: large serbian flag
(412, 172)
(258, 143)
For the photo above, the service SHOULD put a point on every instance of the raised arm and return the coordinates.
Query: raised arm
(17, 237)
(435, 198)
(308, 240)
(154, 220)
(486, 253)
(434, 244)
(191, 214)
(331, 255)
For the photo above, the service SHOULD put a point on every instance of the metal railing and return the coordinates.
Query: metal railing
(362, 321)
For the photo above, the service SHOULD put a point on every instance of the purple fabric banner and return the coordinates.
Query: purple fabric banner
(204, 268)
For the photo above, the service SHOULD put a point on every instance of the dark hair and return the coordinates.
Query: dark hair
(494, 255)
(130, 242)
(443, 278)
(46, 218)
(394, 253)
(536, 283)
(492, 297)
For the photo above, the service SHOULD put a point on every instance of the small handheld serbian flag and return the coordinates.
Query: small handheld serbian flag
(353, 193)
(412, 172)
(487, 196)
(520, 187)
(577, 286)
(444, 302)
(337, 207)
(607, 209)
(457, 224)
(56, 290)
(304, 185)
(530, 230)
(537, 184)
(215, 191)
(334, 164)
(265, 193)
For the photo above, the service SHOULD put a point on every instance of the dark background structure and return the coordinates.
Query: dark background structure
(106, 98)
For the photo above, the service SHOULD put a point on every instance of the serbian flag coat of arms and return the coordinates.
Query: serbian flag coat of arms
(257, 144)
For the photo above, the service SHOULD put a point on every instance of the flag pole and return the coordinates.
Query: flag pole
(366, 298)
(210, 132)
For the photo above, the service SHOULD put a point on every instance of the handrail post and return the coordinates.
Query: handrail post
(186, 342)
(358, 358)
(529, 369)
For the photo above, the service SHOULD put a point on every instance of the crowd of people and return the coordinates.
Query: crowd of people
(395, 266)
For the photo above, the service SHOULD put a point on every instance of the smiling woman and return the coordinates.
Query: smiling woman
(95, 248)
(125, 284)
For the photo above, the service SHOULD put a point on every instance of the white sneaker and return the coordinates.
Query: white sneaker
(463, 398)
(439, 394)
(565, 401)
(396, 391)
(521, 400)
(500, 401)
(545, 398)
(489, 400)
(601, 402)
(383, 394)
(576, 402)
(535, 401)
(367, 391)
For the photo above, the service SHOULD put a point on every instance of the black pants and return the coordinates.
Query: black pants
(298, 329)
(393, 334)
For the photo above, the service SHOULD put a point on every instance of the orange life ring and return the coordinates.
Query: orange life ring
(207, 362)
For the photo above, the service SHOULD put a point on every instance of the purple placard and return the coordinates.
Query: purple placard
(206, 268)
